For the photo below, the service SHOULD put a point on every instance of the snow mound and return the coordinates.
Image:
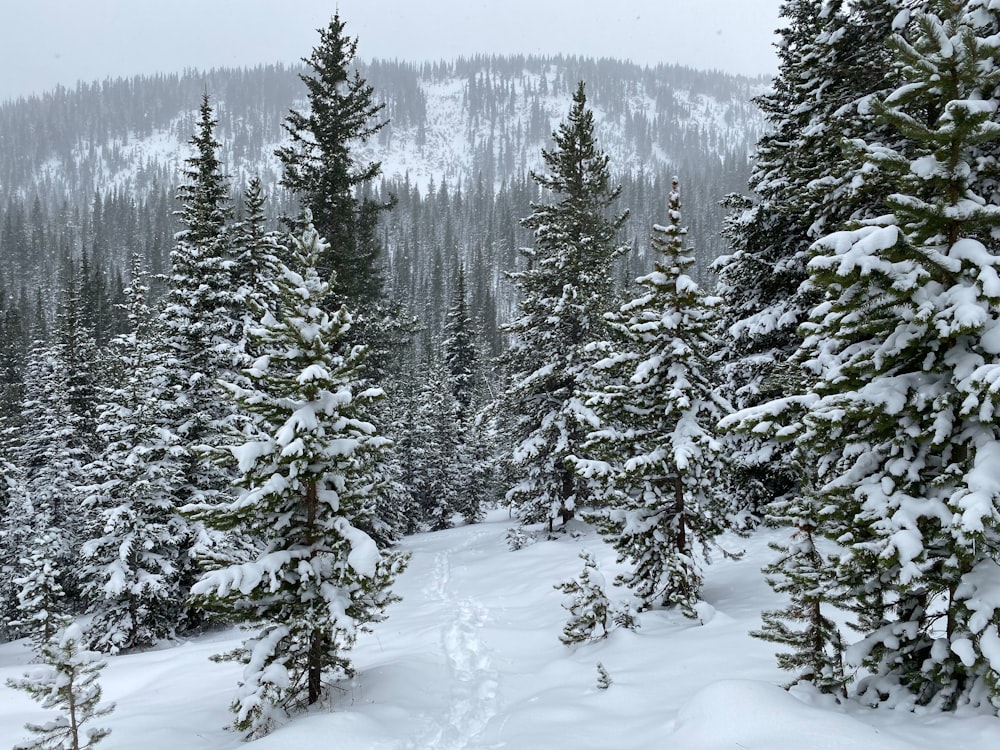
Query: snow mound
(750, 714)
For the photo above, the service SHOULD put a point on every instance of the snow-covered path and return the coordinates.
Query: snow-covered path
(470, 659)
(472, 697)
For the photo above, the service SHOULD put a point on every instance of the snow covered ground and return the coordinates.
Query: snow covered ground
(471, 658)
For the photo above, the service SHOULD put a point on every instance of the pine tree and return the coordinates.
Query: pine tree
(587, 604)
(251, 243)
(200, 326)
(305, 468)
(134, 556)
(441, 462)
(898, 427)
(460, 353)
(804, 626)
(200, 323)
(51, 456)
(832, 60)
(320, 168)
(652, 410)
(464, 362)
(564, 292)
(13, 353)
(41, 600)
(14, 538)
(204, 195)
(69, 683)
(78, 353)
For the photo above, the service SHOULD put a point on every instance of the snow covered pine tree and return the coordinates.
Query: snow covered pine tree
(651, 454)
(565, 291)
(68, 682)
(305, 470)
(899, 427)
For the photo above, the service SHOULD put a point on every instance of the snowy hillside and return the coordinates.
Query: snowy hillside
(93, 171)
(471, 659)
(449, 122)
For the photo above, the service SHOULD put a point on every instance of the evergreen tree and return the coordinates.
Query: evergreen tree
(251, 242)
(79, 360)
(464, 362)
(898, 426)
(204, 194)
(16, 537)
(564, 291)
(652, 409)
(587, 604)
(13, 353)
(41, 601)
(305, 467)
(460, 353)
(441, 463)
(804, 626)
(134, 556)
(51, 456)
(321, 170)
(832, 59)
(200, 328)
(69, 683)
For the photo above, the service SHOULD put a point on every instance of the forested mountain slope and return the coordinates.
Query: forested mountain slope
(92, 171)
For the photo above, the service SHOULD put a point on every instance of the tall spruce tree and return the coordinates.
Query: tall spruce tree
(564, 292)
(51, 458)
(305, 470)
(321, 170)
(463, 359)
(898, 427)
(651, 453)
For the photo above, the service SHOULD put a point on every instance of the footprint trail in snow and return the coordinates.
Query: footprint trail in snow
(473, 695)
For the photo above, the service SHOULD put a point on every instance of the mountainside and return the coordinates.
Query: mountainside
(92, 171)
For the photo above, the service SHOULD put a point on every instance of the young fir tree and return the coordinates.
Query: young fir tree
(305, 468)
(69, 683)
(564, 291)
(587, 604)
(652, 455)
(134, 557)
(41, 600)
(800, 570)
(899, 424)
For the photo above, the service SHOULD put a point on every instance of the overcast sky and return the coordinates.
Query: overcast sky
(45, 42)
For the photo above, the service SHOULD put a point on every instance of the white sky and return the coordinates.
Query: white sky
(45, 42)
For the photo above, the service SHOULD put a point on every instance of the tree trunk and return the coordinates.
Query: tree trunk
(315, 667)
(679, 514)
(566, 513)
